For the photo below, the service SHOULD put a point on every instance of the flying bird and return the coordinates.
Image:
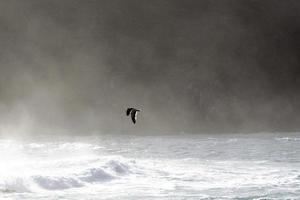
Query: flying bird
(133, 113)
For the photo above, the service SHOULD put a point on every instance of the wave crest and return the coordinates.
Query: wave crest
(107, 171)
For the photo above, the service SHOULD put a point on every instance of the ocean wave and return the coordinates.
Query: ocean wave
(119, 167)
(287, 139)
(96, 175)
(56, 183)
(108, 171)
(220, 168)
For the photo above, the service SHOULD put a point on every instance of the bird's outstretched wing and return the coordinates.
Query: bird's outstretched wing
(134, 115)
(128, 111)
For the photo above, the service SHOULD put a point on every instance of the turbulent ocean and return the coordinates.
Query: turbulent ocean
(226, 166)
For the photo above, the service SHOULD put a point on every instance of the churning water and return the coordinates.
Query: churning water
(231, 166)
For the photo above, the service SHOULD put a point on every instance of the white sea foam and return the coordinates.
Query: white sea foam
(176, 167)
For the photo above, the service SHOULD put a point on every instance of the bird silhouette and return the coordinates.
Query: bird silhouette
(133, 113)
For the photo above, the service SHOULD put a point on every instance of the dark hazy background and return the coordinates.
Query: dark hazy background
(196, 66)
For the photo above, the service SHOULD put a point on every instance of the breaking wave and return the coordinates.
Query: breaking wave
(111, 170)
(57, 166)
(224, 167)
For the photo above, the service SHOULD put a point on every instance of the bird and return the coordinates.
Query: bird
(133, 113)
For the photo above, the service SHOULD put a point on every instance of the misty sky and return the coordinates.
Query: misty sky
(192, 66)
